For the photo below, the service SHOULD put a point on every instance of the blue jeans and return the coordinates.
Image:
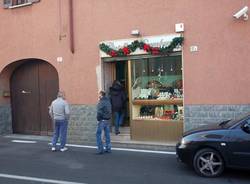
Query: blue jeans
(103, 125)
(60, 131)
(118, 120)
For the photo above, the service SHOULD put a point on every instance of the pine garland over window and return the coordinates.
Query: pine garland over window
(142, 45)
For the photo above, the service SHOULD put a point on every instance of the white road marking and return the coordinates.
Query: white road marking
(125, 149)
(94, 147)
(22, 141)
(17, 177)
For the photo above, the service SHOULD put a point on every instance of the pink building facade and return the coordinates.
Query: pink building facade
(65, 35)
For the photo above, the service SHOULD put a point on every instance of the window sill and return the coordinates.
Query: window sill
(20, 5)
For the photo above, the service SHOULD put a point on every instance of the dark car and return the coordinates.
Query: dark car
(209, 149)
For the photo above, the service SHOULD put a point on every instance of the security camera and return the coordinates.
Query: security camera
(242, 12)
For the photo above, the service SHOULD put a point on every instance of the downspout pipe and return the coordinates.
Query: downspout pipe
(71, 27)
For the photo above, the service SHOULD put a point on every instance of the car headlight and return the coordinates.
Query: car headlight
(184, 142)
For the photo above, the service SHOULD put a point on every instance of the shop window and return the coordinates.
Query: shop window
(157, 76)
(157, 90)
(17, 3)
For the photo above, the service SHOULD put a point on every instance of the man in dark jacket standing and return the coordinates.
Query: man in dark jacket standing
(118, 101)
(104, 114)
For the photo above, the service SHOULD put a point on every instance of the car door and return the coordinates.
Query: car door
(239, 145)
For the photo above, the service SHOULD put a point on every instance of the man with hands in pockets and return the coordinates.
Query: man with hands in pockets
(103, 116)
(59, 112)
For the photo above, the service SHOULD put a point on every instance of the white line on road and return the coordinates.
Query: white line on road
(22, 141)
(125, 149)
(94, 147)
(37, 179)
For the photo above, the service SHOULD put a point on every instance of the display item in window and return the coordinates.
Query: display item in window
(156, 90)
(162, 112)
(136, 88)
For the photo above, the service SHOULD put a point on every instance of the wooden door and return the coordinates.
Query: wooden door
(33, 86)
(48, 88)
(25, 100)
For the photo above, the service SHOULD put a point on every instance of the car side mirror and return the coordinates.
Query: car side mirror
(246, 128)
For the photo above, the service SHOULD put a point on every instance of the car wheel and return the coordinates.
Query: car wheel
(208, 163)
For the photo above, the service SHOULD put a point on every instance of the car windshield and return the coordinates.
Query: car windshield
(230, 123)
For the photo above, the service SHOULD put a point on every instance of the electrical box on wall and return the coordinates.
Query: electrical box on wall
(193, 48)
(179, 27)
(6, 94)
(59, 59)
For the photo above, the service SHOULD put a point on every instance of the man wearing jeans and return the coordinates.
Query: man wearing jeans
(59, 112)
(103, 119)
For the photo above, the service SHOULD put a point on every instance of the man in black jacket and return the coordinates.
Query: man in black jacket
(104, 114)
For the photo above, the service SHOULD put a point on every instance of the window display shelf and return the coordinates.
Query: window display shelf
(174, 101)
(158, 110)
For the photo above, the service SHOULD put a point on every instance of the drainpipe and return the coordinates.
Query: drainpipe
(71, 27)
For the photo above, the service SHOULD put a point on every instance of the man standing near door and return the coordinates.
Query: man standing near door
(103, 117)
(59, 112)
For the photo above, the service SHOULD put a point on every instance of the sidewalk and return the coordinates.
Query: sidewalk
(118, 141)
(123, 140)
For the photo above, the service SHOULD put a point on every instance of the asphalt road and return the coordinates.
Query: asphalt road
(35, 163)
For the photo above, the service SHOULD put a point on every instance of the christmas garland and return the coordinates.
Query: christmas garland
(142, 45)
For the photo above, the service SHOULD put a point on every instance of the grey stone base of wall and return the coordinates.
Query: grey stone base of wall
(5, 120)
(197, 115)
(82, 124)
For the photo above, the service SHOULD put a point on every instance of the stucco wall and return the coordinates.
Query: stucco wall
(216, 74)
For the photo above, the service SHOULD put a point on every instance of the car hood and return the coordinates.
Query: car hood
(214, 126)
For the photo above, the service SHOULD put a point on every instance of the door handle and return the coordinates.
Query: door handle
(26, 92)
